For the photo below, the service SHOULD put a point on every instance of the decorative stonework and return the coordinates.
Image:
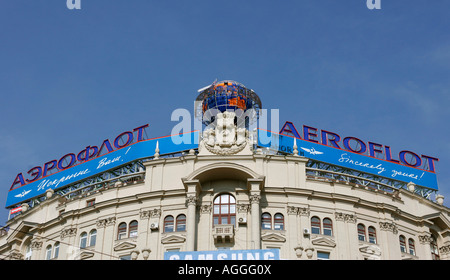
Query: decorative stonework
(371, 251)
(292, 210)
(254, 198)
(173, 238)
(205, 208)
(444, 250)
(348, 218)
(324, 241)
(68, 232)
(106, 222)
(225, 138)
(36, 245)
(301, 211)
(191, 200)
(243, 208)
(126, 245)
(304, 211)
(425, 239)
(15, 255)
(388, 227)
(147, 214)
(273, 237)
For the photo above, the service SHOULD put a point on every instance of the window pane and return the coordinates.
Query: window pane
(55, 255)
(224, 221)
(224, 198)
(93, 238)
(323, 255)
(224, 209)
(216, 209)
(232, 209)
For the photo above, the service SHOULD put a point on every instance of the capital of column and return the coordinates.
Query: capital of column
(254, 198)
(191, 200)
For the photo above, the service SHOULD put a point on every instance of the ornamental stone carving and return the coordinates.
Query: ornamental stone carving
(191, 200)
(147, 214)
(225, 138)
(445, 250)
(254, 198)
(68, 232)
(205, 208)
(243, 208)
(389, 227)
(348, 218)
(36, 245)
(302, 211)
(106, 222)
(15, 255)
(425, 239)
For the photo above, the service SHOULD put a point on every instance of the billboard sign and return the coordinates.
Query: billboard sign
(265, 254)
(349, 158)
(96, 165)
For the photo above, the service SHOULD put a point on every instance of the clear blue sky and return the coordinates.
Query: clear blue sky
(72, 78)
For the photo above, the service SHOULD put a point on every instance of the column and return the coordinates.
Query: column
(256, 221)
(255, 186)
(191, 201)
(192, 190)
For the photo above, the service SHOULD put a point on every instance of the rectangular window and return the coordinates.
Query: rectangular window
(90, 202)
(315, 230)
(323, 255)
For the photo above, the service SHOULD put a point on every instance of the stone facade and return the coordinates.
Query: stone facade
(130, 220)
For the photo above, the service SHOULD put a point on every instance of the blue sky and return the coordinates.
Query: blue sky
(72, 78)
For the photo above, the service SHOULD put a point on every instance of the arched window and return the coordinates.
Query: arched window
(402, 244)
(315, 225)
(133, 229)
(372, 235)
(168, 224)
(361, 232)
(278, 221)
(224, 210)
(29, 252)
(434, 248)
(83, 240)
(56, 250)
(411, 247)
(327, 227)
(266, 221)
(122, 231)
(92, 237)
(48, 252)
(181, 222)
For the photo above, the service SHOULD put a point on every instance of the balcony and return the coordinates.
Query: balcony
(223, 233)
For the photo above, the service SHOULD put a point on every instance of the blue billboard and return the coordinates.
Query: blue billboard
(97, 165)
(348, 159)
(265, 254)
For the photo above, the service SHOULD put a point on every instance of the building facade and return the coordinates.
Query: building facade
(223, 196)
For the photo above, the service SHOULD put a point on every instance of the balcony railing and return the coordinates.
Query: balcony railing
(223, 233)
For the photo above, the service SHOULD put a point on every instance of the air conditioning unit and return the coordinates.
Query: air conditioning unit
(306, 231)
(154, 226)
(242, 220)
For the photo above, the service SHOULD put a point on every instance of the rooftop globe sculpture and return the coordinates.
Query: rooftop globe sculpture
(230, 96)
